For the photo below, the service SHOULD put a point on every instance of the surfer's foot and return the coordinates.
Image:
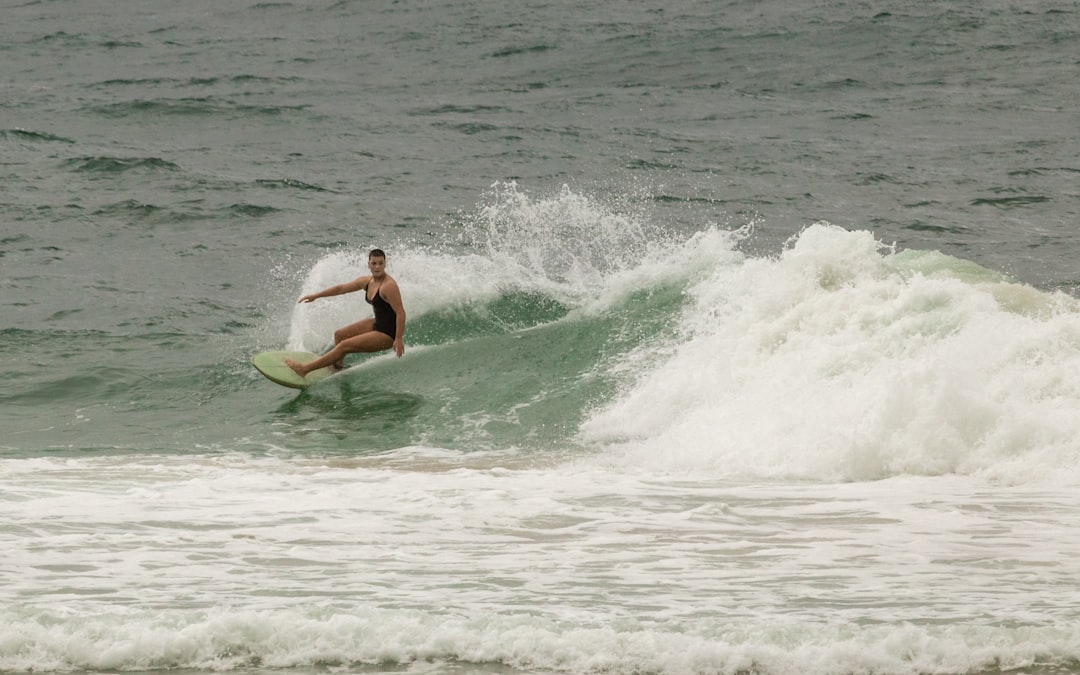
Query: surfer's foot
(297, 367)
(337, 367)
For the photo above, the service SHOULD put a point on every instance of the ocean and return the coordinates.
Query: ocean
(743, 337)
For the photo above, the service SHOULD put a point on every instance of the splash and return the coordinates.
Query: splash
(568, 247)
(570, 239)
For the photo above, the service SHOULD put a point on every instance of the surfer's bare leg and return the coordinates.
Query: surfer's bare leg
(329, 358)
(371, 341)
(350, 331)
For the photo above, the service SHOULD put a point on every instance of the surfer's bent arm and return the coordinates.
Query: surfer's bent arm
(340, 289)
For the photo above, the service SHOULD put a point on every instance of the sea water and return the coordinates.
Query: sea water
(742, 337)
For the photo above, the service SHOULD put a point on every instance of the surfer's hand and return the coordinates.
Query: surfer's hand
(306, 298)
(399, 347)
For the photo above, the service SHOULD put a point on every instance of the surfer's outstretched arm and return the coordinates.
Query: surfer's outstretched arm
(340, 289)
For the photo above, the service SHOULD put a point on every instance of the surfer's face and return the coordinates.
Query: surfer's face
(377, 266)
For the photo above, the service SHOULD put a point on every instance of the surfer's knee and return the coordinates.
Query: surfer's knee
(344, 333)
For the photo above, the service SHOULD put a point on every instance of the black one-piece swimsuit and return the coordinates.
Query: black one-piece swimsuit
(385, 316)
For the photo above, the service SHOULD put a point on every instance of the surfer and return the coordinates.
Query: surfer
(381, 332)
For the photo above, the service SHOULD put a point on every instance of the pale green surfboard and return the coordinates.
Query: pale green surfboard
(272, 365)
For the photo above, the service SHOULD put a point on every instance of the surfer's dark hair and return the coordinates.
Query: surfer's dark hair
(376, 253)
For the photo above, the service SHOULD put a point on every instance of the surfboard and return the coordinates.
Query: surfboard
(272, 366)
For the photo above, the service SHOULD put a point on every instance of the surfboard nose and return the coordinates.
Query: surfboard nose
(273, 367)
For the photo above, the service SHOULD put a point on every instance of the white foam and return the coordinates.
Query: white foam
(224, 640)
(223, 562)
(834, 361)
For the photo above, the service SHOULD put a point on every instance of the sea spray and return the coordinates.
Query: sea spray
(569, 237)
(568, 247)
